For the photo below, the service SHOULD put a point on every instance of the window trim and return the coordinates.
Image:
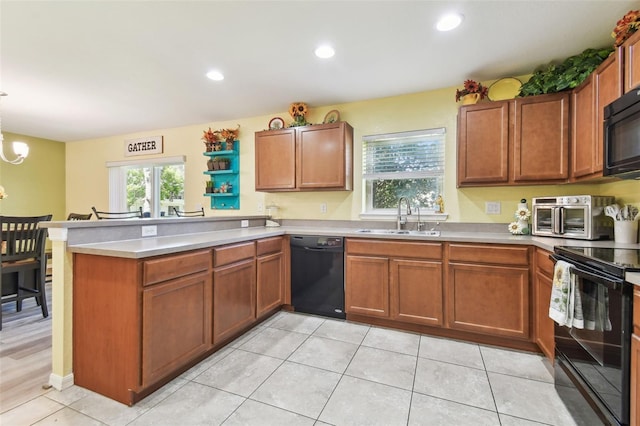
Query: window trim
(367, 211)
(118, 179)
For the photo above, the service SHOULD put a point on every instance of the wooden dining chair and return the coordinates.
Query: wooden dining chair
(79, 216)
(195, 213)
(118, 215)
(23, 261)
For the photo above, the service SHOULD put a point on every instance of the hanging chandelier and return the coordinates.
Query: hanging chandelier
(20, 149)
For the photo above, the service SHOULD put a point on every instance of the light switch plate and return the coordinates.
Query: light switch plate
(149, 231)
(492, 207)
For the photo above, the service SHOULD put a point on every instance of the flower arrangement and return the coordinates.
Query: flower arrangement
(471, 86)
(2, 193)
(626, 26)
(210, 139)
(522, 215)
(228, 134)
(298, 111)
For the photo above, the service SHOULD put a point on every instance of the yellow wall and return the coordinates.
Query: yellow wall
(87, 176)
(37, 186)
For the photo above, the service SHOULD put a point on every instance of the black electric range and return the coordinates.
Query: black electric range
(614, 261)
(602, 345)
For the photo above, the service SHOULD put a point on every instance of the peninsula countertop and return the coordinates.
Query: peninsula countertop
(155, 246)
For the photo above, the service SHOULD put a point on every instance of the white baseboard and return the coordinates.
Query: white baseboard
(59, 382)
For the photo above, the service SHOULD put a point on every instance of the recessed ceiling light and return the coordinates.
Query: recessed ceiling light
(215, 75)
(325, 51)
(449, 22)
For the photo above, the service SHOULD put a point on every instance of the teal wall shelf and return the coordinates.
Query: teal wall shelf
(229, 179)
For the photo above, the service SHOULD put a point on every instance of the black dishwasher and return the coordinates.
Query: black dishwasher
(317, 275)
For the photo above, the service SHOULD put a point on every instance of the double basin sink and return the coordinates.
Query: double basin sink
(429, 233)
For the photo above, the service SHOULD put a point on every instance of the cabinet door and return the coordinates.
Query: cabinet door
(367, 286)
(416, 291)
(632, 62)
(635, 380)
(608, 84)
(541, 138)
(270, 283)
(483, 143)
(543, 324)
(275, 157)
(324, 156)
(176, 324)
(234, 298)
(583, 129)
(488, 299)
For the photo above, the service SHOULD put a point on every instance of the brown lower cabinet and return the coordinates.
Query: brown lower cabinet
(401, 281)
(635, 362)
(138, 323)
(543, 282)
(270, 273)
(488, 289)
(477, 292)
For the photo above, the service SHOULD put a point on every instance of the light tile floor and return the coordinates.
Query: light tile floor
(297, 369)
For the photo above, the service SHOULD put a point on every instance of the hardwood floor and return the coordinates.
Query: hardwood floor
(25, 352)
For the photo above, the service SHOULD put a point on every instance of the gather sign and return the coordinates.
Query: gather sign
(143, 146)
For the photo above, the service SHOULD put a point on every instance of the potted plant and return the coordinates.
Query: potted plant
(471, 93)
(209, 138)
(209, 187)
(224, 164)
(228, 135)
(567, 75)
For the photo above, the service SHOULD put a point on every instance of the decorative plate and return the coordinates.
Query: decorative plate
(276, 123)
(505, 88)
(332, 116)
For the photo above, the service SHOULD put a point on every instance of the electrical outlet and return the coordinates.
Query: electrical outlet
(244, 223)
(260, 207)
(149, 231)
(323, 207)
(492, 207)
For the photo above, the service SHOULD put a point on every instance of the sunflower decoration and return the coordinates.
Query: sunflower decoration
(298, 111)
(627, 25)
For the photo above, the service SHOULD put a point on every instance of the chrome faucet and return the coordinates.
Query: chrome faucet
(420, 224)
(402, 221)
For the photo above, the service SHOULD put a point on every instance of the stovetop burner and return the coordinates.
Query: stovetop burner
(616, 261)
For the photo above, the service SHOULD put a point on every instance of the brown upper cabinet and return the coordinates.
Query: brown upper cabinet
(309, 158)
(523, 141)
(631, 62)
(588, 100)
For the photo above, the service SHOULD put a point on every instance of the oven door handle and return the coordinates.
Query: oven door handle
(604, 279)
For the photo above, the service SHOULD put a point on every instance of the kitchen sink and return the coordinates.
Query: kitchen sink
(429, 233)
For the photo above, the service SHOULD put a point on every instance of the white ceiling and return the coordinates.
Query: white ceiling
(76, 70)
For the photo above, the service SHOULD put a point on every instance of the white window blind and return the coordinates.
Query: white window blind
(416, 154)
(405, 164)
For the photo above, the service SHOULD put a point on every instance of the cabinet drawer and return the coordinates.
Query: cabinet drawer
(166, 268)
(234, 253)
(493, 254)
(395, 248)
(269, 245)
(543, 263)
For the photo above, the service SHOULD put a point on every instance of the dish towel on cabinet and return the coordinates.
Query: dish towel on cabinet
(565, 306)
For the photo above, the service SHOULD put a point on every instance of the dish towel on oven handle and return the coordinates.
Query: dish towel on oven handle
(596, 307)
(565, 306)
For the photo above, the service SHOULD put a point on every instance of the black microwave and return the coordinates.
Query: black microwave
(622, 136)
